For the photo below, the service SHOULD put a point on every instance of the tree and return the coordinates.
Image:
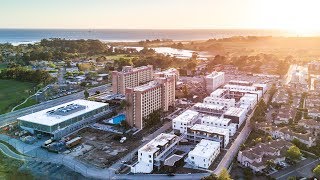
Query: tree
(210, 177)
(124, 104)
(194, 55)
(291, 178)
(270, 163)
(83, 84)
(68, 64)
(316, 171)
(185, 91)
(101, 59)
(86, 94)
(224, 175)
(293, 153)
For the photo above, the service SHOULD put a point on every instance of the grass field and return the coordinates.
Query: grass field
(30, 102)
(9, 169)
(12, 93)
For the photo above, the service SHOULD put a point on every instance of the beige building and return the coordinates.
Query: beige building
(145, 99)
(130, 77)
(172, 72)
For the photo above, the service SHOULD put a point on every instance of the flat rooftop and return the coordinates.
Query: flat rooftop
(215, 119)
(49, 117)
(146, 86)
(160, 140)
(130, 69)
(210, 129)
(234, 111)
(205, 148)
(214, 74)
(240, 82)
(186, 116)
(209, 106)
(218, 92)
(209, 98)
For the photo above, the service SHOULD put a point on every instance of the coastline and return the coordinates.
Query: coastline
(30, 36)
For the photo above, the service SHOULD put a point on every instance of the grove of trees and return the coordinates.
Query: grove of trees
(24, 74)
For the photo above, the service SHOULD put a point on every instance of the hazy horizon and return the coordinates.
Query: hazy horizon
(299, 16)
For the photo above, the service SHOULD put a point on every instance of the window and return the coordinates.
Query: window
(149, 156)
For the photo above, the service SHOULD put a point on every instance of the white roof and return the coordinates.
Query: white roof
(205, 148)
(186, 116)
(233, 111)
(43, 118)
(239, 82)
(217, 92)
(246, 88)
(160, 140)
(215, 119)
(214, 74)
(209, 98)
(210, 129)
(250, 97)
(209, 106)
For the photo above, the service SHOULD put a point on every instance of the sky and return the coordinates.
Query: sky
(299, 15)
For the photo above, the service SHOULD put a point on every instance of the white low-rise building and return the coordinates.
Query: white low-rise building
(214, 81)
(227, 103)
(209, 108)
(219, 93)
(204, 153)
(249, 99)
(61, 120)
(220, 122)
(184, 120)
(150, 151)
(237, 115)
(200, 131)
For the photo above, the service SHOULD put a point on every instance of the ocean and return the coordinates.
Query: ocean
(24, 36)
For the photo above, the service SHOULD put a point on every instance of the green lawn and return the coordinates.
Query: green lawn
(12, 93)
(9, 169)
(30, 102)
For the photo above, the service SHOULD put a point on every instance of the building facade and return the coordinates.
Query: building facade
(220, 123)
(184, 120)
(130, 77)
(61, 120)
(200, 131)
(214, 81)
(145, 99)
(149, 152)
(204, 154)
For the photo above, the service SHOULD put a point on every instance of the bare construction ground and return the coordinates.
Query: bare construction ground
(102, 148)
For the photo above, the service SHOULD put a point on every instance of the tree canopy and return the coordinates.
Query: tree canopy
(316, 170)
(293, 153)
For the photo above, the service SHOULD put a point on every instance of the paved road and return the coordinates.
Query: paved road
(241, 138)
(303, 169)
(8, 152)
(12, 116)
(233, 150)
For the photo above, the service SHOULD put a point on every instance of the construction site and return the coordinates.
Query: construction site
(101, 148)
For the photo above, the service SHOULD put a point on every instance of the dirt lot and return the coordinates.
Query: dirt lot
(105, 147)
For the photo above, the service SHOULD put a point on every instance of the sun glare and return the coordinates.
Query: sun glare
(295, 16)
